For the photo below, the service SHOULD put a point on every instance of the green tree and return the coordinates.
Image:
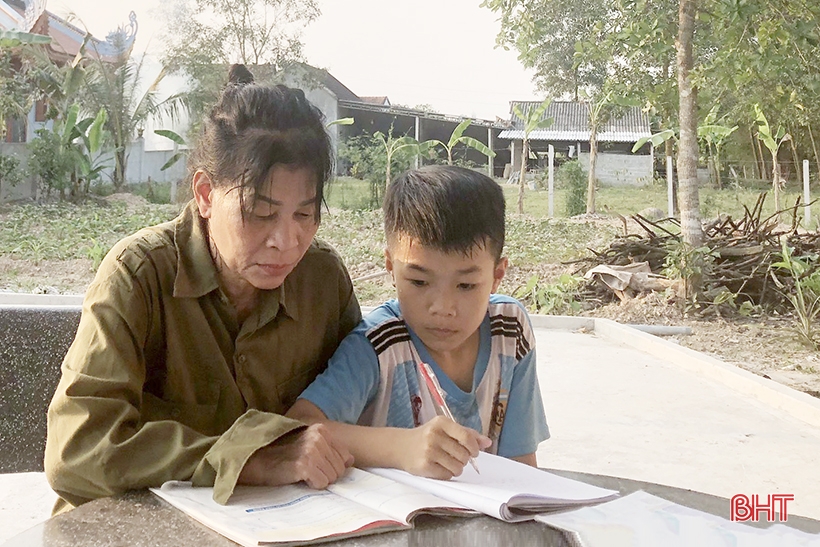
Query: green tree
(547, 35)
(265, 34)
(18, 88)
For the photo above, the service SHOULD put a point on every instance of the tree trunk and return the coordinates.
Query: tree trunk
(119, 168)
(691, 229)
(593, 159)
(795, 157)
(814, 148)
(753, 141)
(776, 176)
(669, 148)
(763, 169)
(525, 156)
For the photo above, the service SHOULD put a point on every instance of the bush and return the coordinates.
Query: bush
(10, 174)
(572, 177)
(48, 163)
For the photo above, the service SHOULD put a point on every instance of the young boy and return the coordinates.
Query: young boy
(445, 234)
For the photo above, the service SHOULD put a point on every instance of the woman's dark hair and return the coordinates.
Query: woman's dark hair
(254, 127)
(447, 208)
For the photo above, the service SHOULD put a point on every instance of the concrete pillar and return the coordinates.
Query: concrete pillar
(417, 161)
(490, 162)
(670, 188)
(551, 180)
(806, 196)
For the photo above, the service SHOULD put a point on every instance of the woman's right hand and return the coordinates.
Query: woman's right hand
(310, 455)
(440, 448)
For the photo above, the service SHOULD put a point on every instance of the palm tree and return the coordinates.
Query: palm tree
(116, 88)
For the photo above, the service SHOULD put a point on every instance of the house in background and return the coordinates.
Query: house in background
(66, 41)
(371, 114)
(616, 165)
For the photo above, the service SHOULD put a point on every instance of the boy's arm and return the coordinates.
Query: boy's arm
(438, 449)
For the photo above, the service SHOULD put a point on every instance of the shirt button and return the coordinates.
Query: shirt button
(241, 359)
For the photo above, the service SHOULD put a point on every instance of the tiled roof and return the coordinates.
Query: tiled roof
(383, 100)
(571, 123)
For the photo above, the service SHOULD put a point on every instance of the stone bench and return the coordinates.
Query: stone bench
(33, 341)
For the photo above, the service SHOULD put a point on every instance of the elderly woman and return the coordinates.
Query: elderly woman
(198, 334)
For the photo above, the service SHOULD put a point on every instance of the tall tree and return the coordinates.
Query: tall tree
(688, 198)
(548, 34)
(203, 34)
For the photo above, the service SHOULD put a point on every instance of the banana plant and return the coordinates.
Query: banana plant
(532, 121)
(178, 141)
(773, 140)
(459, 137)
(392, 146)
(82, 141)
(714, 135)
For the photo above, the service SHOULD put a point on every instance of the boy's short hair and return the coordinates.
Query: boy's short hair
(446, 208)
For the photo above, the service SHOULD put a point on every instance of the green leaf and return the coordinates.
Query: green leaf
(168, 134)
(171, 161)
(95, 133)
(478, 145)
(457, 132)
(14, 38)
(342, 121)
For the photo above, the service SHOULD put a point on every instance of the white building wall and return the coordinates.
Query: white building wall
(620, 169)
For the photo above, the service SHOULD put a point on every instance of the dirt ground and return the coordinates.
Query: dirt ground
(765, 345)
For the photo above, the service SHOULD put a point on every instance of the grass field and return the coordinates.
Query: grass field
(59, 232)
(350, 193)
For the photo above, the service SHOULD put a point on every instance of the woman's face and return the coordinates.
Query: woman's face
(262, 248)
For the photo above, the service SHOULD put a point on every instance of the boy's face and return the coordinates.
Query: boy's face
(443, 296)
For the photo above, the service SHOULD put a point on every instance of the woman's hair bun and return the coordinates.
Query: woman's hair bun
(240, 75)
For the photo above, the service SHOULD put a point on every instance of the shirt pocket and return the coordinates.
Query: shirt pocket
(199, 416)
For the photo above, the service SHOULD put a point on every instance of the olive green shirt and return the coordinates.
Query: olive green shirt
(161, 383)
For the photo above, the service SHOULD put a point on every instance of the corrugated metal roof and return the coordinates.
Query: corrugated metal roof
(571, 123)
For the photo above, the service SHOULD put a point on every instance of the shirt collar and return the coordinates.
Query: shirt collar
(196, 272)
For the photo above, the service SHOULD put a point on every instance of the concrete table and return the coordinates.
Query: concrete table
(141, 519)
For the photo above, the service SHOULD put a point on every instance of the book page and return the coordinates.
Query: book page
(643, 520)
(504, 485)
(397, 500)
(267, 514)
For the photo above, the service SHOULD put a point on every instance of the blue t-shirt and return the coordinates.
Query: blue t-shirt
(374, 372)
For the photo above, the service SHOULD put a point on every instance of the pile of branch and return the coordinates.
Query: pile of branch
(743, 252)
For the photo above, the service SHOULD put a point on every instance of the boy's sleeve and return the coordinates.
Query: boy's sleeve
(349, 383)
(524, 424)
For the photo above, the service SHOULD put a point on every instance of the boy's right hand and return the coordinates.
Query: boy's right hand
(440, 448)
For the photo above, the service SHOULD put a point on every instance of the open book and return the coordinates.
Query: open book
(378, 500)
(505, 489)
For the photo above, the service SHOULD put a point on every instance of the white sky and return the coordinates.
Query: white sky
(436, 52)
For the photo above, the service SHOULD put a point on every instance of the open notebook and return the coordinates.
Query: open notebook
(375, 500)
